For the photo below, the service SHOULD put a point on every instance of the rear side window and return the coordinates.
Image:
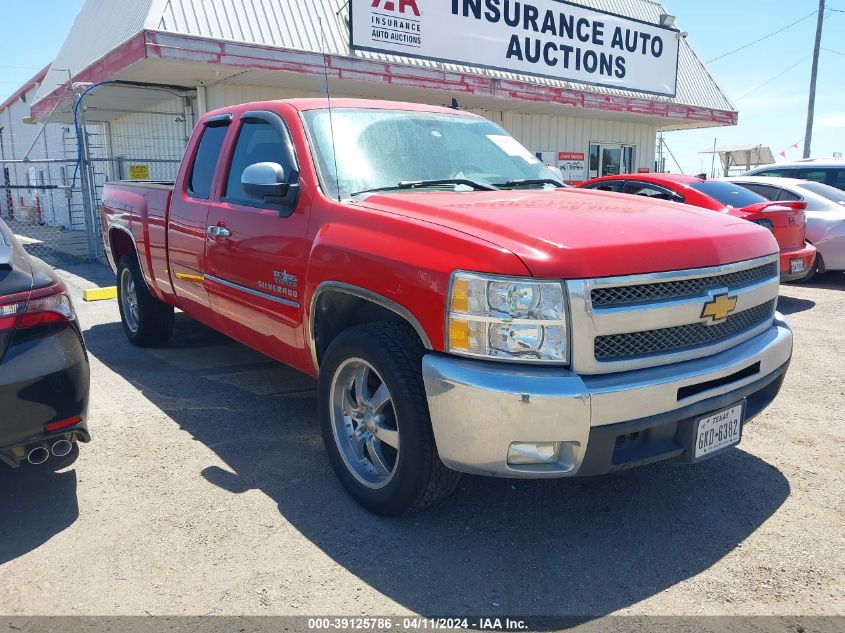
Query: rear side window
(838, 179)
(258, 142)
(770, 193)
(786, 195)
(831, 193)
(728, 194)
(202, 171)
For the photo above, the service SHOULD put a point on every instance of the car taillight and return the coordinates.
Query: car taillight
(44, 306)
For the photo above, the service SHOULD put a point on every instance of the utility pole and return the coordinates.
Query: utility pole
(660, 168)
(808, 137)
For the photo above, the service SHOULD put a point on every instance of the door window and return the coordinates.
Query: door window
(816, 175)
(769, 173)
(205, 161)
(838, 179)
(608, 185)
(594, 160)
(650, 191)
(258, 142)
(611, 161)
(628, 166)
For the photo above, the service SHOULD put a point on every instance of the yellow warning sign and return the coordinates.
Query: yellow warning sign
(139, 172)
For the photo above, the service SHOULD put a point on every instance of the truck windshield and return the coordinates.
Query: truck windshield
(378, 149)
(728, 194)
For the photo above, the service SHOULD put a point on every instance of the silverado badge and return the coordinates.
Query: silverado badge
(719, 308)
(283, 284)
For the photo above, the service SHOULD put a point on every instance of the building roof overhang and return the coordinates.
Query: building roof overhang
(177, 60)
(29, 85)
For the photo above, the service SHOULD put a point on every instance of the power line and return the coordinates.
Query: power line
(765, 37)
(830, 50)
(778, 76)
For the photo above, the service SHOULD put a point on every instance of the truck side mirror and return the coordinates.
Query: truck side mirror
(267, 183)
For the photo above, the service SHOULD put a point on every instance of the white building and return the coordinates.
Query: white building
(35, 192)
(173, 60)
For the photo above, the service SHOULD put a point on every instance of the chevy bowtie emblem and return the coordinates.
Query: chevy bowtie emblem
(719, 308)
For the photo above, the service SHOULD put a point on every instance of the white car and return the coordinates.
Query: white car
(828, 171)
(825, 214)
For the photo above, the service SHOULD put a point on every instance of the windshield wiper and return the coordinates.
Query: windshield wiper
(420, 184)
(530, 183)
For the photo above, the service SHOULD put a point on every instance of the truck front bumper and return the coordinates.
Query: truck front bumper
(600, 423)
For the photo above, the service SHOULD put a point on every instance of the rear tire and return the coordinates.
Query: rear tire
(146, 320)
(375, 420)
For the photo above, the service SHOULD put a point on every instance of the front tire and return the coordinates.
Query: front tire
(375, 421)
(146, 320)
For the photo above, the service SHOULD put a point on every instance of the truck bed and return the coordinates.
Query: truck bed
(131, 206)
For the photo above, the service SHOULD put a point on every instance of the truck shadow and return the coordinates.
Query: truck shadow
(790, 305)
(36, 506)
(583, 547)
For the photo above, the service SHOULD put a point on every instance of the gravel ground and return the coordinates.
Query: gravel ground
(206, 491)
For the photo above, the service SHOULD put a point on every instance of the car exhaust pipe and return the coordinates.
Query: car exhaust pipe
(38, 455)
(61, 448)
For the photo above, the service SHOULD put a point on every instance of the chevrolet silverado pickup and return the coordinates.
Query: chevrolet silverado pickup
(461, 310)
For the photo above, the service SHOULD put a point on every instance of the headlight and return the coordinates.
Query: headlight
(507, 318)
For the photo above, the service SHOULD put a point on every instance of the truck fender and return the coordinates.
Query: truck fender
(118, 250)
(366, 295)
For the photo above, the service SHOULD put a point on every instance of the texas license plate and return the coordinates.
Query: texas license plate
(718, 431)
(797, 265)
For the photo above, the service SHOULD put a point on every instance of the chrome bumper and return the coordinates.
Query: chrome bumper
(478, 408)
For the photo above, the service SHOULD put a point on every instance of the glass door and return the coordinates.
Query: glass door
(611, 159)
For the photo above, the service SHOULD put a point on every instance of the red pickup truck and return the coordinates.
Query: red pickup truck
(462, 311)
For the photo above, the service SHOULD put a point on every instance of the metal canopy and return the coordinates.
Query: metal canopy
(746, 156)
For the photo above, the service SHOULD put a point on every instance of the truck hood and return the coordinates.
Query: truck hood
(579, 233)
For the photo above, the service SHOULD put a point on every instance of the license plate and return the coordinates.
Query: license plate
(797, 265)
(718, 431)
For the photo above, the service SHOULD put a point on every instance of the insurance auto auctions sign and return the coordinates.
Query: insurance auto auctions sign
(546, 38)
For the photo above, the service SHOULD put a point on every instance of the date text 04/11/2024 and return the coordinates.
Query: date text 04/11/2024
(417, 624)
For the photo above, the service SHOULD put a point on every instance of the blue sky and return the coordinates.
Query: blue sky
(773, 114)
(776, 113)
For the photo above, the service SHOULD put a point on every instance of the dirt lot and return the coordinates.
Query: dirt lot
(206, 491)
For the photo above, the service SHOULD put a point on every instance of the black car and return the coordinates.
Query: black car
(44, 373)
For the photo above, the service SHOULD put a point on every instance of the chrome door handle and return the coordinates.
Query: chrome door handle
(218, 231)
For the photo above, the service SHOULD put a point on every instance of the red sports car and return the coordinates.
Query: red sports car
(784, 219)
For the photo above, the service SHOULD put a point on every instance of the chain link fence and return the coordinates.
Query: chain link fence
(44, 205)
(52, 204)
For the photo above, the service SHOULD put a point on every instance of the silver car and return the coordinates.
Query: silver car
(825, 214)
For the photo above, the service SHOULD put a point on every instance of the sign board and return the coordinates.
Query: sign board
(572, 165)
(644, 170)
(543, 38)
(548, 159)
(139, 172)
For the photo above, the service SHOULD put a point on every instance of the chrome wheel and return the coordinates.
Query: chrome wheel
(364, 423)
(129, 300)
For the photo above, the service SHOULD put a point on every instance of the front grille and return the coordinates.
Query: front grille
(680, 338)
(661, 291)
